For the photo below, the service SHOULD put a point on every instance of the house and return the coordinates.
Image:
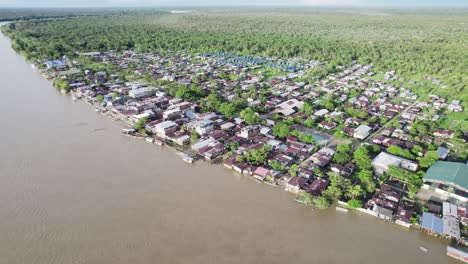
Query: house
(202, 127)
(289, 107)
(140, 92)
(383, 213)
(317, 186)
(387, 192)
(165, 128)
(383, 161)
(443, 133)
(432, 224)
(260, 173)
(327, 125)
(55, 64)
(322, 157)
(443, 152)
(449, 179)
(172, 114)
(295, 184)
(362, 131)
(249, 132)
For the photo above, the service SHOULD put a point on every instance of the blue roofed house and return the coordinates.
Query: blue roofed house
(432, 224)
(55, 64)
(449, 179)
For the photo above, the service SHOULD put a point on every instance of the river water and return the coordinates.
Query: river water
(74, 190)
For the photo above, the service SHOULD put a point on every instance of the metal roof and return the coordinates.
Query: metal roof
(450, 173)
(432, 222)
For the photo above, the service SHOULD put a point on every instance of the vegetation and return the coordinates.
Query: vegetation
(354, 203)
(418, 44)
(257, 156)
(140, 125)
(342, 154)
(62, 85)
(319, 202)
(281, 130)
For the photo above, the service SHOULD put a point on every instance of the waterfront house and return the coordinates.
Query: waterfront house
(260, 173)
(295, 184)
(164, 128)
(317, 186)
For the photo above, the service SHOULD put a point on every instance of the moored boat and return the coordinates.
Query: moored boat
(187, 158)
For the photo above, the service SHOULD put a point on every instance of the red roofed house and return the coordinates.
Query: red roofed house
(260, 173)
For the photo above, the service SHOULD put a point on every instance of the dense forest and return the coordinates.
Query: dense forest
(418, 45)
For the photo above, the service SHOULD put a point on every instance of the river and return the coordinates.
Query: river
(74, 190)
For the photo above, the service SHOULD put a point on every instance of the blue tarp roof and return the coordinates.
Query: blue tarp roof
(432, 222)
(55, 63)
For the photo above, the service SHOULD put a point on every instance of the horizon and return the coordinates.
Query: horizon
(57, 4)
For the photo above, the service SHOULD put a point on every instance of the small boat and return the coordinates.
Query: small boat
(187, 158)
(158, 142)
(75, 98)
(341, 209)
(149, 139)
(128, 130)
(423, 249)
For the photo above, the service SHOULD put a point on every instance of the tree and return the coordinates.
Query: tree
(333, 192)
(342, 154)
(354, 203)
(307, 109)
(293, 170)
(250, 117)
(99, 98)
(276, 165)
(362, 158)
(259, 155)
(194, 137)
(429, 158)
(281, 130)
(140, 125)
(354, 191)
(309, 123)
(395, 150)
(367, 180)
(62, 85)
(321, 202)
(303, 137)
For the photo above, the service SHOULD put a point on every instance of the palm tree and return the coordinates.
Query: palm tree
(354, 191)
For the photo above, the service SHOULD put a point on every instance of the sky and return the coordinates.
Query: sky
(156, 3)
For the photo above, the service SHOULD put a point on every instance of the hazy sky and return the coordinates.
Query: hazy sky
(137, 3)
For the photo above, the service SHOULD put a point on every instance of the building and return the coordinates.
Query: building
(362, 131)
(165, 128)
(448, 178)
(249, 132)
(383, 161)
(432, 224)
(55, 64)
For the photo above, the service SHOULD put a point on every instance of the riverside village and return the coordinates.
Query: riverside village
(354, 138)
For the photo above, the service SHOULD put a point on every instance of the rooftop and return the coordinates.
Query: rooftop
(450, 173)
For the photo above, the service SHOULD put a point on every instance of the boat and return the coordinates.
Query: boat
(158, 142)
(149, 139)
(187, 158)
(423, 249)
(128, 131)
(75, 98)
(341, 209)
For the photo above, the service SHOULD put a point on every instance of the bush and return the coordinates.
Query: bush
(354, 203)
